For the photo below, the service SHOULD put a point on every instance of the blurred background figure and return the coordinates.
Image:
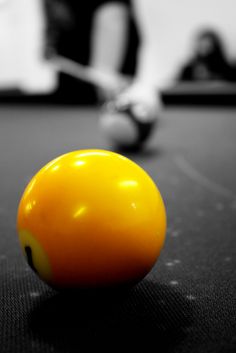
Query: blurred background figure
(209, 61)
(167, 30)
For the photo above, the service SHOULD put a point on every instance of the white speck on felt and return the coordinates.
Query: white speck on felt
(228, 259)
(34, 294)
(174, 283)
(169, 264)
(175, 233)
(162, 302)
(190, 297)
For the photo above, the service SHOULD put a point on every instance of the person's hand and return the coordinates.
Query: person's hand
(113, 85)
(144, 100)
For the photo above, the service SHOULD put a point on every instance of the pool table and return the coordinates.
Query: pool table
(187, 303)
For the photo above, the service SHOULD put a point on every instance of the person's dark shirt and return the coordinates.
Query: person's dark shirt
(68, 33)
(69, 24)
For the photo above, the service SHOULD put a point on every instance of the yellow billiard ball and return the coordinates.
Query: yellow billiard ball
(91, 218)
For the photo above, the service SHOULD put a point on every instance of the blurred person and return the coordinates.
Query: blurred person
(208, 61)
(95, 34)
(166, 29)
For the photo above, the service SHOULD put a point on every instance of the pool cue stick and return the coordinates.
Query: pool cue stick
(88, 74)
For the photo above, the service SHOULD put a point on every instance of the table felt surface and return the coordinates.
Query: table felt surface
(187, 303)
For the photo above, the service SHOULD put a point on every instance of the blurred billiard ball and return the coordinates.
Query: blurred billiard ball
(127, 126)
